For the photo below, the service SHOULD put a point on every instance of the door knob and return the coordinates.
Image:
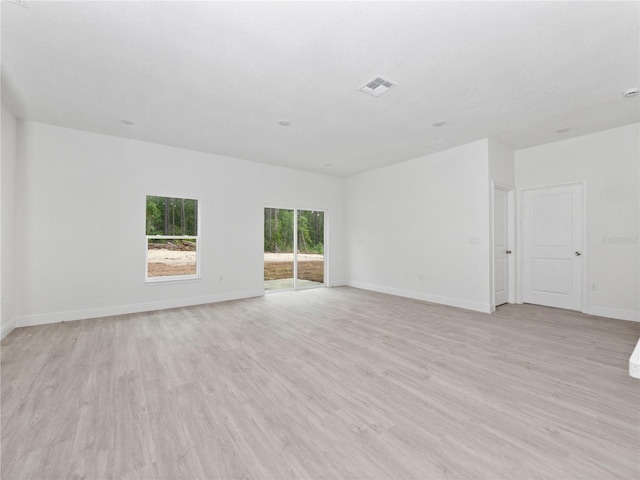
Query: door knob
(508, 252)
(578, 253)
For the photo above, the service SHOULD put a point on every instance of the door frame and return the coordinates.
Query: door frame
(511, 241)
(295, 242)
(520, 238)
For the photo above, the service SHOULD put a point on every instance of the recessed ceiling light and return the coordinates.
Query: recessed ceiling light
(284, 123)
(563, 130)
(439, 123)
(127, 122)
(632, 92)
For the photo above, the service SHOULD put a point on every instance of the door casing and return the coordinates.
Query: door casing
(511, 235)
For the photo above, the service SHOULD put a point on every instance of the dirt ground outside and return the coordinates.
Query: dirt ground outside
(164, 263)
(277, 266)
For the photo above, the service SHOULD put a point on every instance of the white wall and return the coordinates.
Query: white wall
(411, 227)
(81, 222)
(408, 229)
(7, 213)
(608, 161)
(501, 164)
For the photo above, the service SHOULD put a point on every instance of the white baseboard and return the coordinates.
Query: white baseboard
(7, 328)
(452, 302)
(57, 317)
(614, 313)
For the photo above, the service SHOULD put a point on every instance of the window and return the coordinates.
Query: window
(172, 238)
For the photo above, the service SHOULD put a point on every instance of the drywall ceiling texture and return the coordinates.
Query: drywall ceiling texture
(217, 76)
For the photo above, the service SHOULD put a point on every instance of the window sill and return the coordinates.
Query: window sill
(171, 280)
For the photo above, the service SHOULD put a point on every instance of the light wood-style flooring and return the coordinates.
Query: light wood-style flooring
(323, 384)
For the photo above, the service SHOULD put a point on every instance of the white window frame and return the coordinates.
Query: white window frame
(173, 278)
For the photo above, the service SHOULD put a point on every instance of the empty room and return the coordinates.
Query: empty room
(320, 240)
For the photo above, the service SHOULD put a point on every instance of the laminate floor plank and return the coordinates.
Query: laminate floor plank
(322, 384)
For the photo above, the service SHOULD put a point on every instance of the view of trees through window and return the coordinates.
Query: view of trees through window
(172, 216)
(172, 236)
(278, 231)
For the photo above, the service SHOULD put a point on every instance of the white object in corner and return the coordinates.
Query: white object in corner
(634, 362)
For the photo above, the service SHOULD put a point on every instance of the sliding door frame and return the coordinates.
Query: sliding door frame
(325, 235)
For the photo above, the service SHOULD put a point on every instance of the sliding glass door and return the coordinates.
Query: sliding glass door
(293, 249)
(310, 251)
(279, 233)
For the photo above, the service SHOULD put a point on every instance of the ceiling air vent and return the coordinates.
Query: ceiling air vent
(377, 86)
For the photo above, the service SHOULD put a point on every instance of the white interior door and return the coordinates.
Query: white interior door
(552, 244)
(500, 246)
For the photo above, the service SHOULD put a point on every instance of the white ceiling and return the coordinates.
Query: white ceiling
(217, 76)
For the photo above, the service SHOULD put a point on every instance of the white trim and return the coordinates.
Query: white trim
(585, 248)
(512, 241)
(325, 243)
(7, 328)
(41, 319)
(163, 280)
(510, 191)
(520, 243)
(614, 313)
(171, 237)
(197, 237)
(295, 248)
(453, 302)
(492, 248)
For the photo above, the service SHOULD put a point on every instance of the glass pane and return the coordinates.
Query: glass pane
(278, 249)
(173, 257)
(310, 248)
(172, 216)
